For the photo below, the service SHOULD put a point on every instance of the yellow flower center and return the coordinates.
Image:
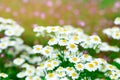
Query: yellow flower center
(90, 65)
(79, 66)
(95, 62)
(70, 69)
(110, 66)
(74, 59)
(64, 41)
(38, 49)
(29, 71)
(48, 65)
(117, 34)
(2, 45)
(47, 51)
(72, 45)
(54, 63)
(74, 74)
(75, 38)
(52, 28)
(50, 75)
(95, 39)
(86, 55)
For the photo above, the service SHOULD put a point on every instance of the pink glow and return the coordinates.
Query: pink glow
(36, 13)
(49, 4)
(15, 13)
(81, 23)
(24, 1)
(42, 15)
(8, 9)
(61, 22)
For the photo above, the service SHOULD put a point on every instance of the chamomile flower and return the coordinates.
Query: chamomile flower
(55, 63)
(37, 48)
(47, 51)
(74, 75)
(29, 78)
(3, 75)
(96, 62)
(108, 32)
(116, 35)
(21, 74)
(50, 29)
(63, 42)
(36, 78)
(90, 67)
(117, 21)
(61, 74)
(9, 32)
(18, 31)
(86, 57)
(72, 47)
(39, 29)
(49, 66)
(53, 41)
(110, 67)
(79, 66)
(30, 72)
(18, 61)
(95, 39)
(3, 45)
(51, 76)
(75, 39)
(60, 69)
(69, 70)
(74, 59)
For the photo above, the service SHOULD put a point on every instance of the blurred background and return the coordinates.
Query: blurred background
(91, 15)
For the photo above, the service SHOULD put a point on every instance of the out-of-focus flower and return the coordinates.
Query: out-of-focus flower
(3, 75)
(117, 21)
(37, 48)
(18, 61)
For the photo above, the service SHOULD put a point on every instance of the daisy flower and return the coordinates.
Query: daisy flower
(74, 75)
(51, 76)
(18, 61)
(63, 42)
(117, 21)
(3, 75)
(79, 66)
(37, 48)
(90, 67)
(74, 59)
(53, 41)
(72, 47)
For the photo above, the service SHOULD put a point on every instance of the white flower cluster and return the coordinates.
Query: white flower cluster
(10, 43)
(65, 57)
(113, 32)
(69, 37)
(10, 27)
(71, 67)
(12, 30)
(3, 75)
(106, 47)
(6, 42)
